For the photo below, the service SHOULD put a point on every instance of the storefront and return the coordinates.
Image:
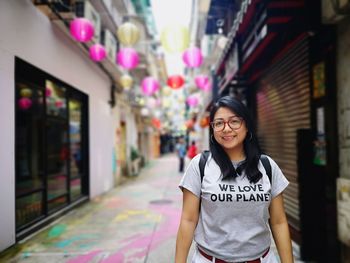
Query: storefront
(51, 145)
(279, 60)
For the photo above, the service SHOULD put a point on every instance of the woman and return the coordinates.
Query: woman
(229, 213)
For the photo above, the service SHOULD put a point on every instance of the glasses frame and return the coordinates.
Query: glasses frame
(227, 122)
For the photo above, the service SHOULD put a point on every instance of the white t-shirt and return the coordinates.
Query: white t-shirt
(233, 221)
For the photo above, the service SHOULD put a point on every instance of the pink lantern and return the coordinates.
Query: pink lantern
(48, 92)
(207, 86)
(97, 52)
(82, 29)
(192, 57)
(128, 58)
(24, 103)
(201, 81)
(192, 101)
(149, 86)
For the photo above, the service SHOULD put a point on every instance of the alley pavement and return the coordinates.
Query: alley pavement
(135, 222)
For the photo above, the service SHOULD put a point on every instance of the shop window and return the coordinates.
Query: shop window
(51, 145)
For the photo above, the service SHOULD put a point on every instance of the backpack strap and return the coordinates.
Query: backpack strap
(202, 161)
(266, 163)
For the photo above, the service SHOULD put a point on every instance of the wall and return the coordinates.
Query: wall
(29, 35)
(343, 83)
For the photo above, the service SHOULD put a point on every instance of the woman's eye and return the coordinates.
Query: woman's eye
(219, 123)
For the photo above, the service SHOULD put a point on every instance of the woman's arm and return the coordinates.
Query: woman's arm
(280, 230)
(188, 223)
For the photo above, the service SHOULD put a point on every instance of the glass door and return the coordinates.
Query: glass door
(51, 148)
(29, 152)
(57, 146)
(76, 165)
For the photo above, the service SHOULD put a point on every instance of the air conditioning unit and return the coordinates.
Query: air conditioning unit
(86, 10)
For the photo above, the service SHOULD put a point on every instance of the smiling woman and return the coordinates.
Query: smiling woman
(236, 186)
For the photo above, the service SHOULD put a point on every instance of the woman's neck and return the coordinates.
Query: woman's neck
(236, 155)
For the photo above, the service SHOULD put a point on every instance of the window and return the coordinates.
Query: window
(51, 145)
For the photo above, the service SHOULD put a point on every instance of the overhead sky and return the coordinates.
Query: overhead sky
(170, 12)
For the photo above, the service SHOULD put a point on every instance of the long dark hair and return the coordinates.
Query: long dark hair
(250, 144)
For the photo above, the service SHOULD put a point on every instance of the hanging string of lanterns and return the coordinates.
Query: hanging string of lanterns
(128, 34)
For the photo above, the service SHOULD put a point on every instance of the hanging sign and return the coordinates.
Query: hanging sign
(318, 75)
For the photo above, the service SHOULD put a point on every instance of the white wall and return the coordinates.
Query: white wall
(7, 155)
(29, 35)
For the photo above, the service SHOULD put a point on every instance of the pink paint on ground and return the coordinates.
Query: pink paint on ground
(165, 231)
(85, 258)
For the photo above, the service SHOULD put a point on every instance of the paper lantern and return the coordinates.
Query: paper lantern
(128, 58)
(201, 81)
(175, 81)
(97, 52)
(206, 86)
(81, 29)
(175, 38)
(204, 122)
(166, 103)
(126, 81)
(128, 34)
(144, 112)
(48, 92)
(151, 103)
(149, 86)
(24, 103)
(156, 123)
(192, 57)
(26, 92)
(192, 101)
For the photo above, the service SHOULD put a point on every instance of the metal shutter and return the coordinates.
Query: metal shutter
(283, 107)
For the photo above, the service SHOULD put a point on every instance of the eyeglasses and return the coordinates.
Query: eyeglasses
(234, 123)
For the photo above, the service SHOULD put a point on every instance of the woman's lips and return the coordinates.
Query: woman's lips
(227, 138)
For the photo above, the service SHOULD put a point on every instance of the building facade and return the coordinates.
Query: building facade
(288, 61)
(57, 139)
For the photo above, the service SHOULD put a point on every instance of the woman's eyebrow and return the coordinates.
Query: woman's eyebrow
(233, 116)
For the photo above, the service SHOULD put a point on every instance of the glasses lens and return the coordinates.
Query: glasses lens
(235, 123)
(218, 125)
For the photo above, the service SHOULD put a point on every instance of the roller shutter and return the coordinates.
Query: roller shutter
(283, 107)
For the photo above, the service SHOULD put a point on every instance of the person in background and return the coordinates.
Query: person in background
(192, 150)
(230, 212)
(181, 153)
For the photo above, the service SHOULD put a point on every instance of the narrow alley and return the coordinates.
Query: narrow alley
(133, 223)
